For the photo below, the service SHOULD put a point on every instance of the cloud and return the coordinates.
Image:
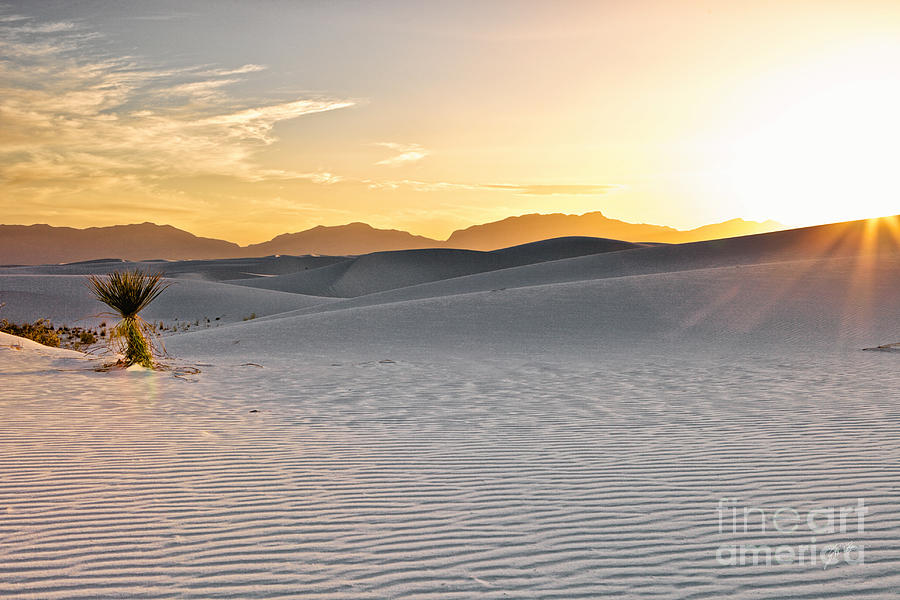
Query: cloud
(406, 153)
(556, 190)
(525, 189)
(72, 113)
(420, 186)
(163, 17)
(256, 123)
(248, 68)
(46, 27)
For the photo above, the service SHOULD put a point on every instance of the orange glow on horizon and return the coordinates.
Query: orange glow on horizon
(432, 119)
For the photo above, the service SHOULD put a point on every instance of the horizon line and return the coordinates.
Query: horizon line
(780, 226)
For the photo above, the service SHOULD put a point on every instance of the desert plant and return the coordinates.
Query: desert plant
(128, 293)
(41, 331)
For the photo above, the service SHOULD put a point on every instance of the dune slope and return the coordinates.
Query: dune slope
(381, 271)
(853, 239)
(790, 306)
(211, 270)
(65, 299)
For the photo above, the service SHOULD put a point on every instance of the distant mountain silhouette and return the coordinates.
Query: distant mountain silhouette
(531, 228)
(43, 244)
(354, 238)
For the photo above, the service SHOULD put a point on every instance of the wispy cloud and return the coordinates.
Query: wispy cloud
(45, 27)
(524, 189)
(70, 112)
(556, 190)
(163, 17)
(406, 153)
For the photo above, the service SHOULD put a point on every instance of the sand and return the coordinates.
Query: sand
(566, 429)
(65, 299)
(381, 271)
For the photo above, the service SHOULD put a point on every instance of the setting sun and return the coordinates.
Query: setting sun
(819, 141)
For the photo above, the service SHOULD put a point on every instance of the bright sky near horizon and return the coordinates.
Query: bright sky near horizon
(243, 120)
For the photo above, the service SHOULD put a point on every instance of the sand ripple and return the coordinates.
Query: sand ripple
(461, 480)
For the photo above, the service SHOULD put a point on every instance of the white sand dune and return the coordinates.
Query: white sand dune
(792, 306)
(382, 271)
(841, 240)
(569, 436)
(313, 282)
(212, 270)
(838, 240)
(65, 299)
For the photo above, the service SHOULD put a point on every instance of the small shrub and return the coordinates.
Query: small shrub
(41, 331)
(251, 317)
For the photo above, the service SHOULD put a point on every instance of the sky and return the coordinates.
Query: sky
(244, 120)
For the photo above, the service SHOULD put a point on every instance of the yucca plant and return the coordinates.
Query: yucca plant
(128, 293)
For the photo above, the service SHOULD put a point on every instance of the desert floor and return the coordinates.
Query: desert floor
(431, 424)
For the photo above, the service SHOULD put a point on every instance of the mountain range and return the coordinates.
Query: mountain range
(44, 244)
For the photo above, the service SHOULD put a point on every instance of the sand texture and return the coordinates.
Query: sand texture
(448, 424)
